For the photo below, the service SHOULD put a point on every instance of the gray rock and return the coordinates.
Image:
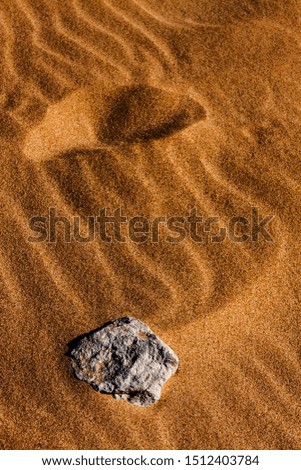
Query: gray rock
(126, 359)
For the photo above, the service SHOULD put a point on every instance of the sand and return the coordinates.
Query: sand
(231, 311)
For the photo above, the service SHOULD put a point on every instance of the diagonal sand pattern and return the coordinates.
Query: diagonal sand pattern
(211, 99)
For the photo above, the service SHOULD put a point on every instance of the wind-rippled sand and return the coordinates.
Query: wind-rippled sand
(231, 311)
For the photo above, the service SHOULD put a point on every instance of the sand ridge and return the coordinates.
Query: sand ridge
(91, 120)
(231, 311)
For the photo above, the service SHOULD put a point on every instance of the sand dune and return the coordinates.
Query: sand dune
(211, 99)
(89, 120)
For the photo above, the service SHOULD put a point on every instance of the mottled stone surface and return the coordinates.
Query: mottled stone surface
(126, 359)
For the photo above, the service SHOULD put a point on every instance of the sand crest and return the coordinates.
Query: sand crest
(88, 120)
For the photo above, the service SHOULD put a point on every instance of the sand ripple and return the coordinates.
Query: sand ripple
(231, 311)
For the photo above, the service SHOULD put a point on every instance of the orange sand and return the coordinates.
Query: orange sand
(230, 311)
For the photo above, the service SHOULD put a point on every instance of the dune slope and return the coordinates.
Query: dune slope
(221, 132)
